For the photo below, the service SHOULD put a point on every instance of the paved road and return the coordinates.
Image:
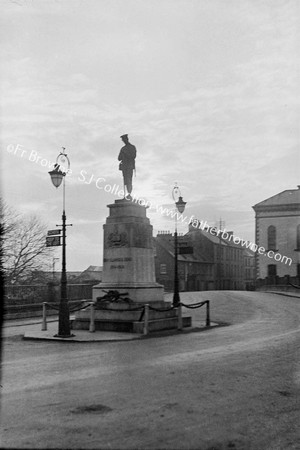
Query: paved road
(233, 387)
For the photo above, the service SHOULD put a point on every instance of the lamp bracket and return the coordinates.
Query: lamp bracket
(176, 193)
(63, 161)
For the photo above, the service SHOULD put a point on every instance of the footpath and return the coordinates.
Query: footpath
(32, 329)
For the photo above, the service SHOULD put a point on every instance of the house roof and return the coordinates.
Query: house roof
(248, 252)
(217, 239)
(57, 273)
(287, 197)
(168, 244)
(89, 274)
(93, 269)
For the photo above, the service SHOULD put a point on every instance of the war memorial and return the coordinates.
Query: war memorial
(128, 279)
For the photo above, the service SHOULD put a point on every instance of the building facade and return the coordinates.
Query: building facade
(249, 269)
(194, 272)
(205, 261)
(277, 229)
(228, 257)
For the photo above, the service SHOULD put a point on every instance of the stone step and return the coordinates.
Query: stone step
(125, 315)
(103, 325)
(167, 323)
(162, 324)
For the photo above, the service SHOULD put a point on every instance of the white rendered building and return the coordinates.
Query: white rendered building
(277, 230)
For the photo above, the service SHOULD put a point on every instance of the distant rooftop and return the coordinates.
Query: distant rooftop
(288, 197)
(168, 245)
(93, 269)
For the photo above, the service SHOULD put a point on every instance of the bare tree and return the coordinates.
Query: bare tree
(23, 244)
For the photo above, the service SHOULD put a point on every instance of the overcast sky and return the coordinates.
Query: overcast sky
(208, 91)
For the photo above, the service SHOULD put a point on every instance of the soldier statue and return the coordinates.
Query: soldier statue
(127, 157)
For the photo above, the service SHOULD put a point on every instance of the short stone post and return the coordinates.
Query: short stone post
(179, 316)
(207, 314)
(92, 318)
(44, 322)
(146, 319)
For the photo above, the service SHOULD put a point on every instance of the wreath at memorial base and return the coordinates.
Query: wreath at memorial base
(113, 296)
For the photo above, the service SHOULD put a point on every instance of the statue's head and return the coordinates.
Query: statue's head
(124, 138)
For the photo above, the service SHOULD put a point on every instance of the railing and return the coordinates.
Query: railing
(144, 313)
(49, 291)
(22, 301)
(281, 282)
(199, 305)
(56, 307)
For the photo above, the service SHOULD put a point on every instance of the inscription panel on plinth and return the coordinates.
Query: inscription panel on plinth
(116, 263)
(128, 265)
(127, 235)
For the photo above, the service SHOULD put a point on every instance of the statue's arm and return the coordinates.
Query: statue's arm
(120, 156)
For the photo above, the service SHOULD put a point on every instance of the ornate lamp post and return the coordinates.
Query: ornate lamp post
(180, 205)
(57, 176)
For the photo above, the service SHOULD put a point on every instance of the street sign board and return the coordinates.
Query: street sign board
(52, 241)
(185, 250)
(53, 232)
(182, 243)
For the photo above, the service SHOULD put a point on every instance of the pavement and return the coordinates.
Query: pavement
(31, 329)
(284, 293)
(34, 333)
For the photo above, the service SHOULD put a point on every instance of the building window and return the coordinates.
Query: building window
(272, 270)
(271, 237)
(163, 269)
(298, 238)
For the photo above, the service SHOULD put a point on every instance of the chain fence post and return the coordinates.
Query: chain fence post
(146, 320)
(207, 314)
(44, 322)
(92, 318)
(179, 316)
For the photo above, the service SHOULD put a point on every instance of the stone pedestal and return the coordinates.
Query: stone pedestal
(128, 259)
(130, 317)
(128, 267)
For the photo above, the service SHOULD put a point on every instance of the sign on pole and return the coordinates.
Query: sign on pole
(185, 250)
(53, 232)
(52, 241)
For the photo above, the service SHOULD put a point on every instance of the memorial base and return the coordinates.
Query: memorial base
(129, 269)
(130, 318)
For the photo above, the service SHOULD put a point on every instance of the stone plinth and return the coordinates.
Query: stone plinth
(128, 259)
(130, 318)
(128, 267)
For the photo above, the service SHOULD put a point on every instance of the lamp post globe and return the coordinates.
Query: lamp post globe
(180, 205)
(56, 176)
